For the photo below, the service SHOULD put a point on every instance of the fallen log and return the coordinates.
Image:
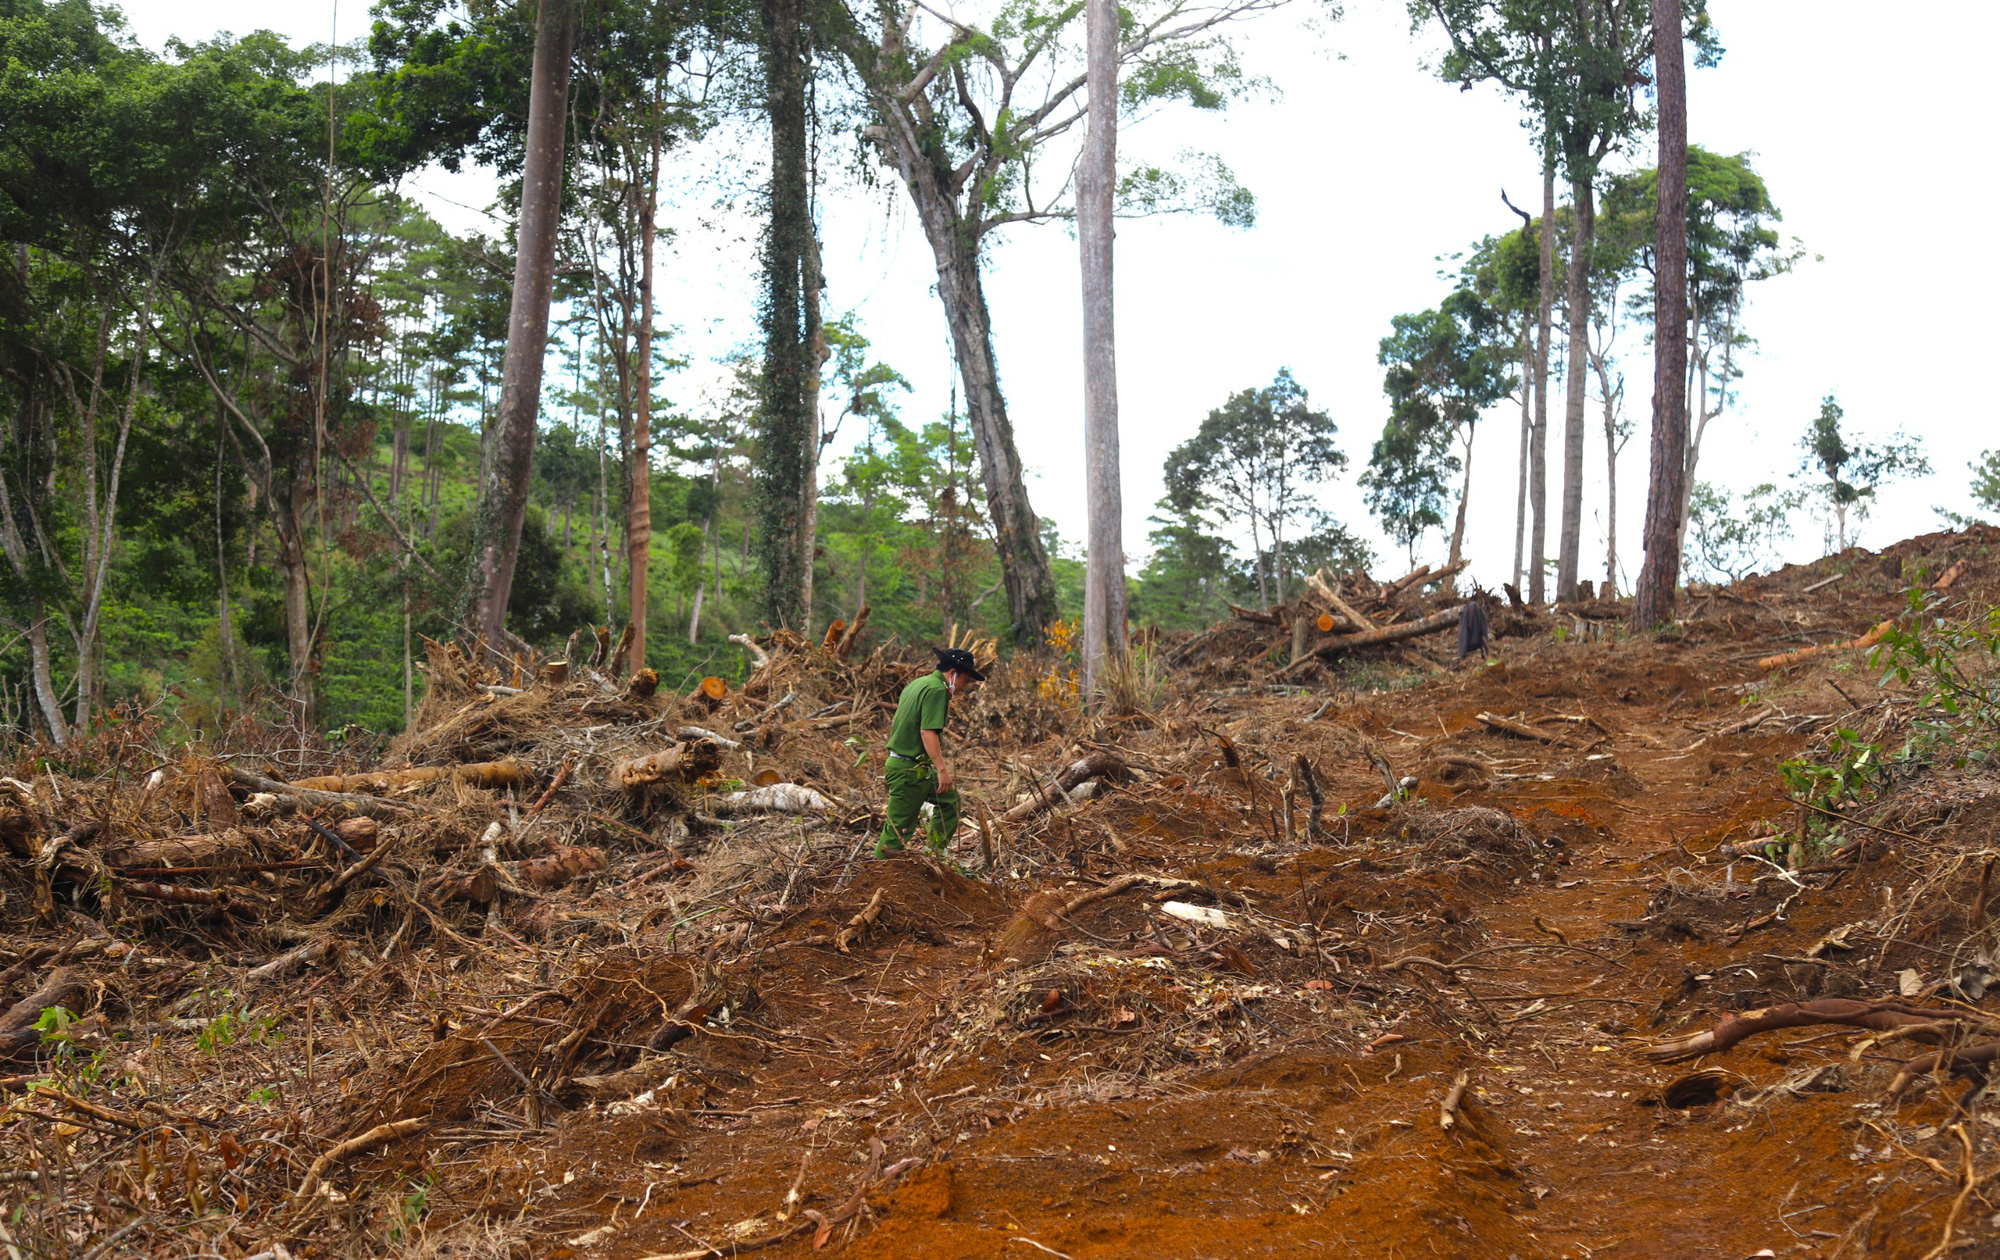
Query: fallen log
(560, 867)
(1823, 583)
(1047, 795)
(1521, 729)
(1951, 575)
(179, 850)
(1371, 638)
(1806, 653)
(484, 774)
(1262, 618)
(367, 806)
(686, 761)
(775, 798)
(1037, 924)
(17, 1026)
(1879, 1016)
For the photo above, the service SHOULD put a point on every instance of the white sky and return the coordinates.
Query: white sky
(1367, 169)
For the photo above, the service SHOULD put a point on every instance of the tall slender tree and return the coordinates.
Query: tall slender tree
(504, 483)
(1667, 490)
(1104, 547)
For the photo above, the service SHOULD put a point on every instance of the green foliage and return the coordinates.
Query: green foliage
(1732, 538)
(1850, 472)
(1986, 481)
(1258, 459)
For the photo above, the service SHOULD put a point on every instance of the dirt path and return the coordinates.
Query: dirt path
(1318, 1132)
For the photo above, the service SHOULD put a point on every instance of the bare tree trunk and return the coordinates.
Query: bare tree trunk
(504, 490)
(292, 567)
(1024, 562)
(224, 624)
(1583, 211)
(1458, 526)
(639, 496)
(1667, 493)
(1538, 452)
(1527, 428)
(817, 354)
(1611, 446)
(41, 673)
(1097, 176)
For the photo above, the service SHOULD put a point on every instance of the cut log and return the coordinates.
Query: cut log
(361, 833)
(555, 674)
(1823, 583)
(1324, 589)
(1423, 576)
(1951, 575)
(1868, 640)
(482, 774)
(686, 762)
(644, 683)
(834, 630)
(1370, 638)
(1055, 791)
(778, 798)
(708, 693)
(17, 1026)
(1326, 623)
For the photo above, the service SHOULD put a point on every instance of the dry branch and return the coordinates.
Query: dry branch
(775, 798)
(1524, 730)
(1880, 1016)
(1448, 1110)
(759, 658)
(373, 1138)
(1370, 638)
(1046, 795)
(858, 926)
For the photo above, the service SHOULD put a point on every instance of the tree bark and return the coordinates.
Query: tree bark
(1583, 228)
(1527, 429)
(1538, 455)
(1104, 546)
(504, 488)
(785, 430)
(1666, 495)
(817, 354)
(954, 242)
(639, 496)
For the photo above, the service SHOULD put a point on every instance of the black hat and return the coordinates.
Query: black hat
(960, 660)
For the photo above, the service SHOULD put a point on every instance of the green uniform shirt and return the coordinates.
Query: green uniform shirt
(922, 707)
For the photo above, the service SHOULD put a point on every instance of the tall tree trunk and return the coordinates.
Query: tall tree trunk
(1583, 228)
(504, 489)
(1667, 492)
(1538, 453)
(1610, 487)
(224, 622)
(1527, 428)
(954, 242)
(1458, 526)
(1097, 178)
(41, 672)
(639, 495)
(817, 354)
(782, 454)
(293, 567)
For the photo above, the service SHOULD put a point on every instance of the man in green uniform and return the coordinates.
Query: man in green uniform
(916, 770)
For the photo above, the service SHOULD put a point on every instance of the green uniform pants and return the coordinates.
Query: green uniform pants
(910, 785)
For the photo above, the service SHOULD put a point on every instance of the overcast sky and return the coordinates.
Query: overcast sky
(1367, 169)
